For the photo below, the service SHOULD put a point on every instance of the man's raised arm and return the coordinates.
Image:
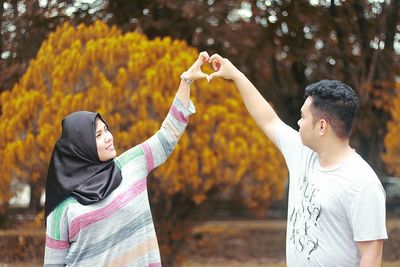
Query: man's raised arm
(259, 109)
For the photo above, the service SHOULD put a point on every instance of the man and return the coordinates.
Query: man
(336, 209)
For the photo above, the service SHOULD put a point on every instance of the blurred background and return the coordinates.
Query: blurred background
(220, 199)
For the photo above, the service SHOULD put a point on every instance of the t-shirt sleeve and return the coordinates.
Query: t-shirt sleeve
(368, 213)
(57, 237)
(289, 143)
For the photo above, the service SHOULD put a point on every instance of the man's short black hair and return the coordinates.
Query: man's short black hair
(336, 102)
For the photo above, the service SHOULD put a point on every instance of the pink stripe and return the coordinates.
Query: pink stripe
(178, 115)
(158, 264)
(56, 244)
(85, 220)
(149, 156)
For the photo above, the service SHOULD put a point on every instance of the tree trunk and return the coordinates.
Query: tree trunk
(4, 215)
(34, 203)
(1, 28)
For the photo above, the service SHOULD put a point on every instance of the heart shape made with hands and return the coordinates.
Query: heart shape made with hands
(215, 65)
(196, 71)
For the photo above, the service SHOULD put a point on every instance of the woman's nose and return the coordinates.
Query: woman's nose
(109, 137)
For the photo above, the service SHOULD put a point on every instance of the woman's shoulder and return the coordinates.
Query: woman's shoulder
(65, 204)
(61, 210)
(128, 156)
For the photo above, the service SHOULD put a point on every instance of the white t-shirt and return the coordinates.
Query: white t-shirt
(329, 210)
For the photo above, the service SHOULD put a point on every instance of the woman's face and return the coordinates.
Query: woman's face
(104, 142)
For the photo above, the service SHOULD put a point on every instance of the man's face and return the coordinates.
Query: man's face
(104, 142)
(308, 127)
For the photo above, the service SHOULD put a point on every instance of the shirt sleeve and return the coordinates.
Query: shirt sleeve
(158, 147)
(289, 143)
(57, 241)
(368, 213)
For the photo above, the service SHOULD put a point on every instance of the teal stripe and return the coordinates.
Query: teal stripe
(127, 156)
(167, 146)
(56, 217)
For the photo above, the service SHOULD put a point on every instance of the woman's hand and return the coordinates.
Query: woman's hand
(195, 72)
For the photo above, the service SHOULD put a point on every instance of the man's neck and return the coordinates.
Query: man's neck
(334, 153)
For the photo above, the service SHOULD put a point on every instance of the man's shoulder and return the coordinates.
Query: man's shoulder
(359, 164)
(360, 171)
(288, 139)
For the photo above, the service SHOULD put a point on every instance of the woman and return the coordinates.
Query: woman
(97, 208)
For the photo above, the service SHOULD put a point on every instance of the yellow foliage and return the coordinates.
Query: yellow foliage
(392, 141)
(132, 81)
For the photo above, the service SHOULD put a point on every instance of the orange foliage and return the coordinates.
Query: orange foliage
(392, 141)
(132, 81)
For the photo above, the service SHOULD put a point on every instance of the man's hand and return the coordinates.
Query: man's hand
(223, 68)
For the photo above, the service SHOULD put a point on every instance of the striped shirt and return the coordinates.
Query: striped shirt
(118, 230)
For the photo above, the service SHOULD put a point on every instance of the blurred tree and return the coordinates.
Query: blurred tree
(131, 81)
(285, 45)
(281, 45)
(392, 140)
(25, 24)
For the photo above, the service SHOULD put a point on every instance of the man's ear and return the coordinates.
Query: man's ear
(322, 127)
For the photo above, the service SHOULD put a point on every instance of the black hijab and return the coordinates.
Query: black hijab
(75, 168)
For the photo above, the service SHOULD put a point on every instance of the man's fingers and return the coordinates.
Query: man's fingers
(215, 57)
(216, 65)
(216, 61)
